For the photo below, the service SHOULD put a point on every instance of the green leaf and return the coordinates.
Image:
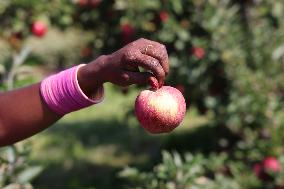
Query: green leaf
(128, 172)
(177, 6)
(11, 154)
(29, 174)
(18, 186)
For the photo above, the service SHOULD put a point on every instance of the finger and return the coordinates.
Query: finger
(132, 68)
(156, 50)
(129, 78)
(160, 53)
(148, 63)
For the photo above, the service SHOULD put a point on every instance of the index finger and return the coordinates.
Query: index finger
(146, 62)
(160, 53)
(156, 50)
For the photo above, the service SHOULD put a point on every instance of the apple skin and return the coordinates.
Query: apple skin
(266, 169)
(198, 52)
(271, 164)
(39, 29)
(164, 16)
(259, 172)
(161, 110)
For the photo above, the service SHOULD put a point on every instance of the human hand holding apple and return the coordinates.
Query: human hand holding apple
(122, 67)
(158, 110)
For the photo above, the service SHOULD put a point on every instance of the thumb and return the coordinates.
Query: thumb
(138, 77)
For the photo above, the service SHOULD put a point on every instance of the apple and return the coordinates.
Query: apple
(160, 110)
(39, 28)
(94, 3)
(267, 168)
(258, 171)
(89, 3)
(83, 3)
(198, 52)
(271, 165)
(164, 16)
(127, 32)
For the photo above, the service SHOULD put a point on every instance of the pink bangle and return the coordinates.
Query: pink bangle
(62, 93)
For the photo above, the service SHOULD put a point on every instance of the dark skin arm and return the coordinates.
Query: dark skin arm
(23, 113)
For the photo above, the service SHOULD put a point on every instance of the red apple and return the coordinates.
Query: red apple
(94, 3)
(39, 28)
(198, 52)
(127, 29)
(267, 168)
(258, 171)
(161, 110)
(127, 32)
(83, 3)
(271, 165)
(164, 16)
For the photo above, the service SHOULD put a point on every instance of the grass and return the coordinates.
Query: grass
(87, 149)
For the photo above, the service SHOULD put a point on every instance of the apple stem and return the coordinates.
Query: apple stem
(153, 83)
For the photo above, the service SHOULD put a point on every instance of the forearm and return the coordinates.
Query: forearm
(23, 114)
(27, 111)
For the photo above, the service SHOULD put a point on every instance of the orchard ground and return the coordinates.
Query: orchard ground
(100, 141)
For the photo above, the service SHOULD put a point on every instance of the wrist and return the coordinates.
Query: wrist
(63, 94)
(90, 77)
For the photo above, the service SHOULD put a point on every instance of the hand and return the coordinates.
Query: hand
(121, 67)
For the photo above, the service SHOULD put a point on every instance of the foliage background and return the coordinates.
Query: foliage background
(226, 56)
